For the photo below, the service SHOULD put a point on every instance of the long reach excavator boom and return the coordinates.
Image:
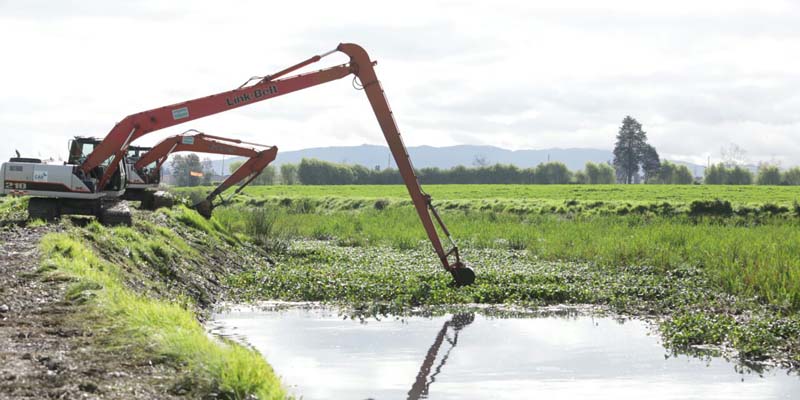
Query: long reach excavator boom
(98, 175)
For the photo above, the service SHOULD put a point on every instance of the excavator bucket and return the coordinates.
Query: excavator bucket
(462, 275)
(204, 208)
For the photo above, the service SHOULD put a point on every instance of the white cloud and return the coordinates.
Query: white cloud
(515, 74)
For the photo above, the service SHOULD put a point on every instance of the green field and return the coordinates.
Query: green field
(664, 200)
(741, 194)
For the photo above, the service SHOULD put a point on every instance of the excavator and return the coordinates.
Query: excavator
(93, 182)
(146, 166)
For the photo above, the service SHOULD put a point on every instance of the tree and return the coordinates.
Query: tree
(673, 174)
(289, 174)
(317, 172)
(650, 162)
(592, 172)
(266, 177)
(716, 174)
(602, 173)
(629, 149)
(580, 177)
(682, 176)
(607, 174)
(792, 176)
(666, 173)
(187, 170)
(552, 173)
(739, 176)
(768, 175)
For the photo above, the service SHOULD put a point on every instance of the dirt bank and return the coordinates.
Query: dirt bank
(45, 352)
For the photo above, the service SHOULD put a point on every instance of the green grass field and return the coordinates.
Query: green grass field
(744, 194)
(665, 200)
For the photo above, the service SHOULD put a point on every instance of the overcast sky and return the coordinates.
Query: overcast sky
(520, 75)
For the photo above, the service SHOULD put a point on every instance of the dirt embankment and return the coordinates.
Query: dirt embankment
(45, 352)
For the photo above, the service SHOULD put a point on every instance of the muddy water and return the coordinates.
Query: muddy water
(320, 355)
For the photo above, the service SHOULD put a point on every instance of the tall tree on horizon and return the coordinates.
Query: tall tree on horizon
(631, 142)
(651, 163)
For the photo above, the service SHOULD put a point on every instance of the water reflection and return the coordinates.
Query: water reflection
(320, 355)
(420, 388)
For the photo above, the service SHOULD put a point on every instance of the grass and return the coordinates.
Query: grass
(634, 194)
(745, 258)
(166, 327)
(752, 202)
(13, 208)
(748, 242)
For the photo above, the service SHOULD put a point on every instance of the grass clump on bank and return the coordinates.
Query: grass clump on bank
(162, 328)
(13, 209)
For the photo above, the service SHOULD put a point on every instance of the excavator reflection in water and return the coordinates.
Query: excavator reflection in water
(424, 377)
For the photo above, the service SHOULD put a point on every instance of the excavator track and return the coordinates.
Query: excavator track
(44, 209)
(162, 199)
(115, 213)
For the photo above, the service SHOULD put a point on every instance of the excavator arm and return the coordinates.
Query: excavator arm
(204, 143)
(199, 142)
(247, 172)
(134, 126)
(362, 67)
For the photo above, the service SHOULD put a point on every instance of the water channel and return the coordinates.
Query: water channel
(564, 355)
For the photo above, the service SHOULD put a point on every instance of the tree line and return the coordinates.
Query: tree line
(721, 174)
(318, 172)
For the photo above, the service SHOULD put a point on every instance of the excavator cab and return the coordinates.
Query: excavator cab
(79, 148)
(149, 174)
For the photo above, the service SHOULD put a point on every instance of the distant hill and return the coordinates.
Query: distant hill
(447, 157)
